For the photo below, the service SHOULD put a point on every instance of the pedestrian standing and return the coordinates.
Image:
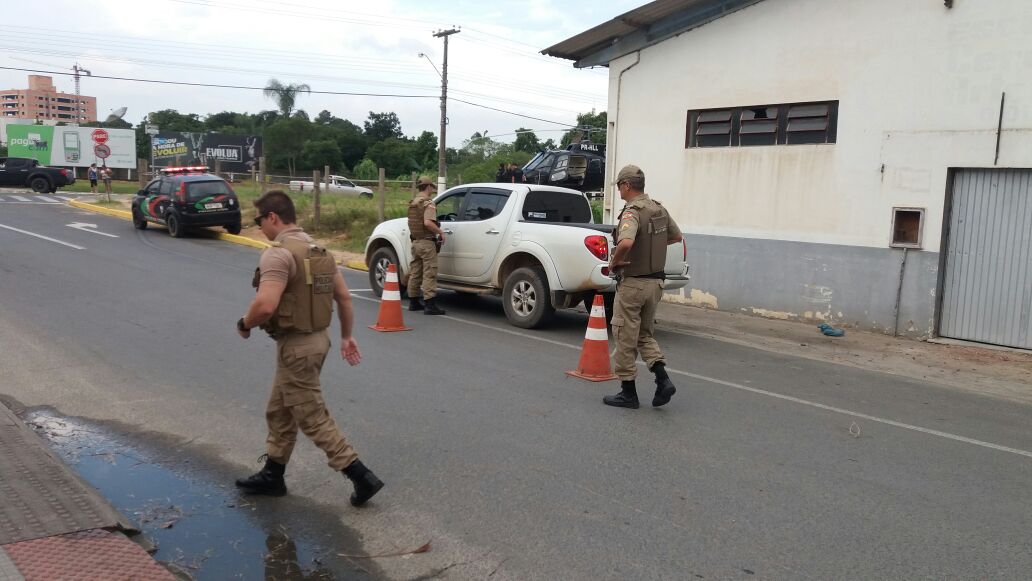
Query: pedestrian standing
(297, 284)
(92, 175)
(641, 237)
(105, 174)
(427, 237)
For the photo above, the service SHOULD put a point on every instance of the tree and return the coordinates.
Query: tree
(526, 141)
(285, 140)
(318, 154)
(549, 144)
(381, 126)
(396, 156)
(367, 170)
(172, 120)
(591, 125)
(426, 150)
(285, 95)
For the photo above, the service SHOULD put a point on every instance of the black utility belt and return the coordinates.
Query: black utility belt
(656, 275)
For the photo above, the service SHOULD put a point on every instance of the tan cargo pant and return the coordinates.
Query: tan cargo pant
(297, 402)
(634, 317)
(423, 269)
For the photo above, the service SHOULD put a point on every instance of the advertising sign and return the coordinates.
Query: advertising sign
(68, 146)
(235, 153)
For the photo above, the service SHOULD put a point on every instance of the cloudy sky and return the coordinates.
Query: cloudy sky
(341, 46)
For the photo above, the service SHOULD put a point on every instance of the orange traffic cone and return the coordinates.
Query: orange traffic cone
(390, 304)
(594, 362)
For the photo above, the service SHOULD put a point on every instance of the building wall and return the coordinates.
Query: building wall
(42, 101)
(919, 89)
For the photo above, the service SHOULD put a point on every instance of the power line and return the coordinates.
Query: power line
(252, 88)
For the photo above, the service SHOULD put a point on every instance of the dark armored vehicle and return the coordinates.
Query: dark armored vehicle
(581, 166)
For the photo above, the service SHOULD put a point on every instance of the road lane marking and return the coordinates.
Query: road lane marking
(26, 232)
(91, 228)
(763, 392)
(21, 199)
(46, 199)
(65, 198)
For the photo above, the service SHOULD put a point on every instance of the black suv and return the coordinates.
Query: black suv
(184, 197)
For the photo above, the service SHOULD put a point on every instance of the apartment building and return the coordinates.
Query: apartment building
(42, 101)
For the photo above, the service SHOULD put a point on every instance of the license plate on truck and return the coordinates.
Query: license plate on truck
(215, 206)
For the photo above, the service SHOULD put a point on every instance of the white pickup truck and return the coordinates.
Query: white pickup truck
(338, 185)
(536, 246)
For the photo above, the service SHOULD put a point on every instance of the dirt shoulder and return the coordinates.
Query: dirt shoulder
(1002, 373)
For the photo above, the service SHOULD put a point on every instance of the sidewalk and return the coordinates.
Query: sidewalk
(53, 525)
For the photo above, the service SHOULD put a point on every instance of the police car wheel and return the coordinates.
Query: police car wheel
(175, 228)
(378, 268)
(139, 222)
(233, 228)
(526, 299)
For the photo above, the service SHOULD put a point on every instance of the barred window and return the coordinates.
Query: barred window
(781, 124)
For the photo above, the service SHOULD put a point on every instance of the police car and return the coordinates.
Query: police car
(186, 197)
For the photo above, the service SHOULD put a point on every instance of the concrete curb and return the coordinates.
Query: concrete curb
(125, 215)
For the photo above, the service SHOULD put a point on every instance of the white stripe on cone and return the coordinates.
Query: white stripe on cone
(596, 334)
(392, 277)
(598, 311)
(391, 295)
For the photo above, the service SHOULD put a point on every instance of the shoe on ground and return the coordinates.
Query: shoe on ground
(268, 481)
(366, 483)
(664, 391)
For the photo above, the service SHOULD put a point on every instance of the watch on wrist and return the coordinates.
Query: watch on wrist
(241, 326)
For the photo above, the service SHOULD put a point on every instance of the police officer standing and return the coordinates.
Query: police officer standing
(426, 236)
(297, 283)
(641, 237)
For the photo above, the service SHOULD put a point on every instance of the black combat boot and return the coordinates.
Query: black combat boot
(268, 480)
(415, 304)
(366, 483)
(432, 308)
(664, 387)
(627, 398)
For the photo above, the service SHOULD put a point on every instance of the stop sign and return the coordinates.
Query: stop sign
(99, 135)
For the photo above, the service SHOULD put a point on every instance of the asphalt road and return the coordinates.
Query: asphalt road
(763, 466)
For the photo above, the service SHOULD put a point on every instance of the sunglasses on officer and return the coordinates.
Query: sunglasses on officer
(258, 219)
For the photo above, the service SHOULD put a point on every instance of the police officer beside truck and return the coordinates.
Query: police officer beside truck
(642, 235)
(297, 283)
(427, 238)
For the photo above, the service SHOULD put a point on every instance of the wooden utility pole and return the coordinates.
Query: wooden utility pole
(315, 197)
(261, 174)
(383, 194)
(442, 168)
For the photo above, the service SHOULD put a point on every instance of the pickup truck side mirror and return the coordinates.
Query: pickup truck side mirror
(141, 193)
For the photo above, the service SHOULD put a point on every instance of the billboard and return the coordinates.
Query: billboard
(66, 146)
(236, 153)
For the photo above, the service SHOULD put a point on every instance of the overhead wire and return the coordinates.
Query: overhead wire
(313, 91)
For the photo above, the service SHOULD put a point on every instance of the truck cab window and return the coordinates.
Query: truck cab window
(448, 208)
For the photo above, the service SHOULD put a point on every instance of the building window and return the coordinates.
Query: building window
(907, 227)
(781, 124)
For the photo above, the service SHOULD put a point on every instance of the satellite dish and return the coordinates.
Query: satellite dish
(116, 115)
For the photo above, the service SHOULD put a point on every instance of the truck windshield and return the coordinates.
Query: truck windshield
(556, 207)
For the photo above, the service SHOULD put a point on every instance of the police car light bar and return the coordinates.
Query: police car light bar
(199, 168)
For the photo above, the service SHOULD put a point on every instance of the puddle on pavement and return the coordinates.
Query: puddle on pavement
(189, 509)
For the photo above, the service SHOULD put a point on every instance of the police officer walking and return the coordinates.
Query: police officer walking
(427, 237)
(644, 231)
(297, 284)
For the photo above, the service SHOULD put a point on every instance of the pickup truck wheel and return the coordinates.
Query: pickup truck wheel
(233, 228)
(378, 268)
(139, 222)
(366, 195)
(175, 229)
(40, 185)
(526, 298)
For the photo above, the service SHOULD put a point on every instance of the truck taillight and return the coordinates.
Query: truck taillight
(64, 173)
(182, 192)
(598, 246)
